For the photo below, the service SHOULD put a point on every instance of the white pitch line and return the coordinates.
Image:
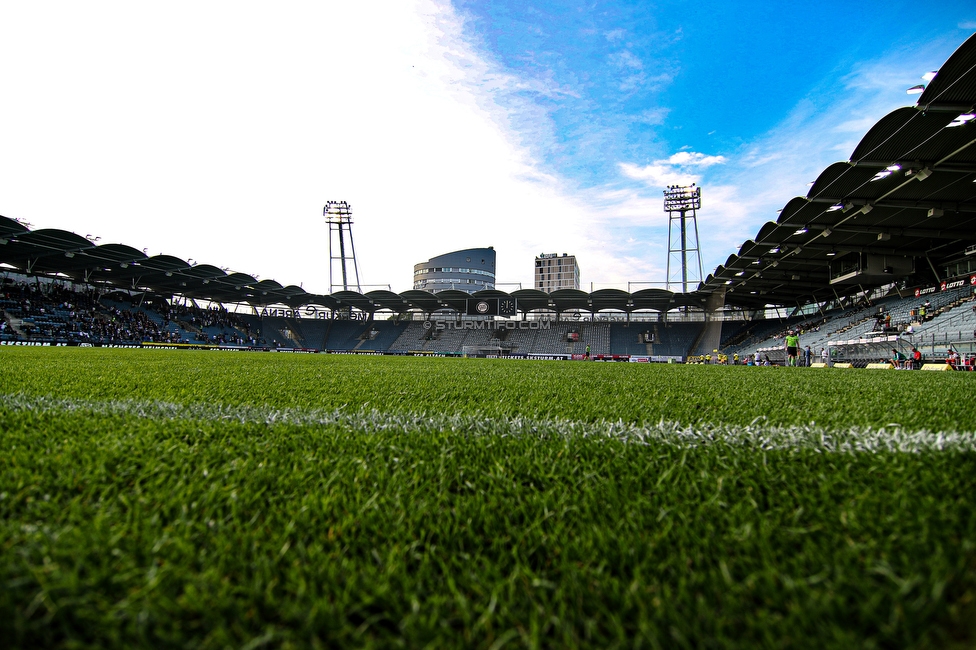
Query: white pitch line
(758, 435)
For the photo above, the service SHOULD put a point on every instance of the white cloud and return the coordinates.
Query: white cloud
(674, 170)
(658, 175)
(217, 132)
(626, 59)
(694, 159)
(653, 116)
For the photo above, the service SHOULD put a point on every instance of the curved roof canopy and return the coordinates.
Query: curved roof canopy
(906, 199)
(66, 254)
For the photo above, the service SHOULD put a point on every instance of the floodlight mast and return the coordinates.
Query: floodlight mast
(338, 214)
(679, 201)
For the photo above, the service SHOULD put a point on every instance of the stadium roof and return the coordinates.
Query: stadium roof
(65, 254)
(901, 209)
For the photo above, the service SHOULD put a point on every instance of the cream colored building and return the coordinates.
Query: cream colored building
(554, 272)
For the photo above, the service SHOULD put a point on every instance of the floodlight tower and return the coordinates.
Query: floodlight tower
(338, 214)
(682, 203)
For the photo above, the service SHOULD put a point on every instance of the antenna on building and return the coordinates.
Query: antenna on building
(682, 203)
(338, 214)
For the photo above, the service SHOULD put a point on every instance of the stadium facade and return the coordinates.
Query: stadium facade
(468, 270)
(554, 272)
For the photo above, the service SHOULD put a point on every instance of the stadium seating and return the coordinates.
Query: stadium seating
(386, 332)
(859, 335)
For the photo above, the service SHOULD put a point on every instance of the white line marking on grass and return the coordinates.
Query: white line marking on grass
(756, 435)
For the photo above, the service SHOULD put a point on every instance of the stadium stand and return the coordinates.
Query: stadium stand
(53, 312)
(628, 338)
(339, 335)
(676, 339)
(413, 337)
(382, 335)
(869, 331)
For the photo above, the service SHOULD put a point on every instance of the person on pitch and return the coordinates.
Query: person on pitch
(792, 347)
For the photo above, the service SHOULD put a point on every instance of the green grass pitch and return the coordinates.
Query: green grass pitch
(182, 499)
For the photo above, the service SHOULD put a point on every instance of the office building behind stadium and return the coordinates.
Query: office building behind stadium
(468, 270)
(554, 272)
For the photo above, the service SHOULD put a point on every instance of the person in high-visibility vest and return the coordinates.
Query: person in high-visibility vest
(792, 347)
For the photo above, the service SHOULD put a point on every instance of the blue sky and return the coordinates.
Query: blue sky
(216, 131)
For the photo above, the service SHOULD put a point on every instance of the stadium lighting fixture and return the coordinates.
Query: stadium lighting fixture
(916, 90)
(831, 252)
(848, 207)
(682, 205)
(740, 274)
(338, 216)
(802, 231)
(886, 172)
(929, 76)
(923, 173)
(961, 119)
(826, 232)
(867, 207)
(774, 250)
(677, 198)
(835, 207)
